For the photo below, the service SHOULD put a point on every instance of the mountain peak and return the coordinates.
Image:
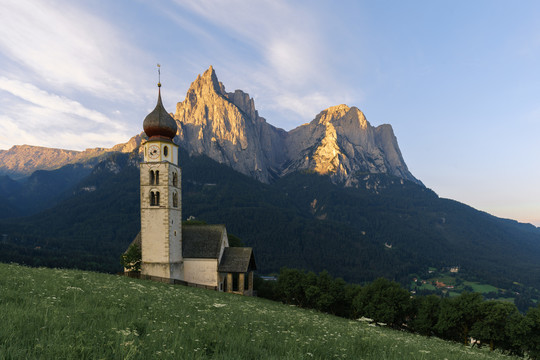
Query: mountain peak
(333, 112)
(227, 128)
(205, 86)
(337, 109)
(342, 115)
(339, 142)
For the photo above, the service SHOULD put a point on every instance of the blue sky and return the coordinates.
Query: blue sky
(459, 81)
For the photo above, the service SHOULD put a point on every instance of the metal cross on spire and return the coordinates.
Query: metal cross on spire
(159, 75)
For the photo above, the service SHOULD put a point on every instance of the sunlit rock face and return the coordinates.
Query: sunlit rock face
(339, 142)
(22, 160)
(227, 128)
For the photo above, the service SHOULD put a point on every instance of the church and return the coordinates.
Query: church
(193, 255)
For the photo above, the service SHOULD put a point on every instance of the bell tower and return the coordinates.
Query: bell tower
(161, 197)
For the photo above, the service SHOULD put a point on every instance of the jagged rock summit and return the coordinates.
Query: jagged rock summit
(339, 142)
(227, 128)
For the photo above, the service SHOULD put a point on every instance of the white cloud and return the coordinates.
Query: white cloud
(51, 120)
(293, 72)
(288, 47)
(58, 55)
(59, 104)
(64, 46)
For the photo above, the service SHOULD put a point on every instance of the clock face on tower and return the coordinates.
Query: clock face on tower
(153, 152)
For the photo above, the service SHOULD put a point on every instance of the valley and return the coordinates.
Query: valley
(334, 194)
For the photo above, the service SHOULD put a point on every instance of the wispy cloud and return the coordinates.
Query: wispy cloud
(293, 74)
(65, 69)
(64, 46)
(48, 119)
(288, 48)
(53, 102)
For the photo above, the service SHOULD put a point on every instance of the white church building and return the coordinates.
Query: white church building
(195, 255)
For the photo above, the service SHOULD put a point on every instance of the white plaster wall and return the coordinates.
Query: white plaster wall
(201, 271)
(161, 226)
(154, 235)
(172, 153)
(156, 269)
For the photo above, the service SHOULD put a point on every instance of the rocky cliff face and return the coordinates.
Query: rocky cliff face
(339, 141)
(22, 160)
(227, 128)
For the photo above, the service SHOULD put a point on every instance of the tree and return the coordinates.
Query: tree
(235, 241)
(532, 337)
(331, 292)
(523, 300)
(132, 258)
(491, 327)
(266, 288)
(427, 314)
(290, 286)
(458, 315)
(517, 328)
(383, 301)
(349, 293)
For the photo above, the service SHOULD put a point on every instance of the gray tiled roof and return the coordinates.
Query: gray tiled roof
(237, 259)
(202, 241)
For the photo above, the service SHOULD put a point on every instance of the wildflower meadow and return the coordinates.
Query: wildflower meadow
(69, 314)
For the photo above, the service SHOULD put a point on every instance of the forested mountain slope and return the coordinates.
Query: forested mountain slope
(386, 226)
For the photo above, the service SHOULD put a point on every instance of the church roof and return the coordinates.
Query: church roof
(159, 124)
(202, 241)
(237, 259)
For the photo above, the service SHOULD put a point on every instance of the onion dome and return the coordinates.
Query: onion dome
(159, 123)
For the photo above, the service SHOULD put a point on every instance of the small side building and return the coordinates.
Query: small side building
(236, 267)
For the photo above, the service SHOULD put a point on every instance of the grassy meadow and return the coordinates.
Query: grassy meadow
(67, 314)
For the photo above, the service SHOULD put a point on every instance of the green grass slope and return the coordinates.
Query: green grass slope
(68, 314)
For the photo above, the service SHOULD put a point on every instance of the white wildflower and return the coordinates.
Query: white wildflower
(365, 319)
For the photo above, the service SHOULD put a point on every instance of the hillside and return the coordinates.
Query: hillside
(66, 314)
(21, 161)
(334, 194)
(384, 227)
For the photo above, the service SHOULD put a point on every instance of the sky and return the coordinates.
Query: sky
(459, 81)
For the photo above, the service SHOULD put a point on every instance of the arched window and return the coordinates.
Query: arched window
(152, 177)
(166, 151)
(175, 199)
(154, 198)
(157, 177)
(175, 179)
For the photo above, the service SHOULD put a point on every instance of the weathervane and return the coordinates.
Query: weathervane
(159, 75)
